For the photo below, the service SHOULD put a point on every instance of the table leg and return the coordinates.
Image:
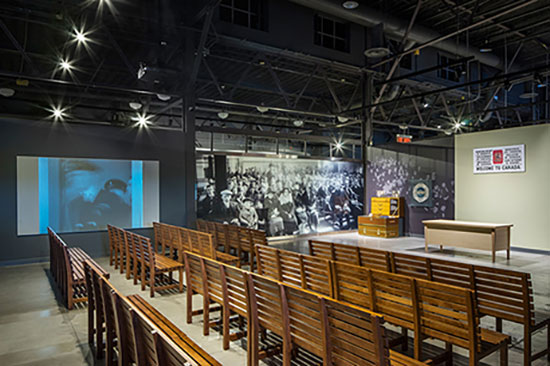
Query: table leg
(508, 244)
(425, 239)
(493, 244)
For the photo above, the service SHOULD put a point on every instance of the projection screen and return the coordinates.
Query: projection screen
(74, 194)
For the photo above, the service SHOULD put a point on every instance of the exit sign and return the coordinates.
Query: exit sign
(404, 139)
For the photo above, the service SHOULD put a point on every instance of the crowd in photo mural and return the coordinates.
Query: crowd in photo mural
(285, 198)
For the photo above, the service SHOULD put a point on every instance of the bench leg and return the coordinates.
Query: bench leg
(98, 336)
(526, 346)
(90, 324)
(181, 280)
(405, 335)
(189, 304)
(151, 281)
(225, 327)
(205, 315)
(449, 351)
(504, 355)
(142, 279)
(498, 325)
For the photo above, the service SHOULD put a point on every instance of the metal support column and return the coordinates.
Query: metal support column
(366, 131)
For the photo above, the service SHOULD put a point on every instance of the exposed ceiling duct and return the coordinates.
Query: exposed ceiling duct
(396, 27)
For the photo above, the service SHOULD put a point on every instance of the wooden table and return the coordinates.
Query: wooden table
(464, 234)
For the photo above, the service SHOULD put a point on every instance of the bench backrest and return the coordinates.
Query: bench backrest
(201, 225)
(307, 272)
(235, 284)
(124, 326)
(410, 265)
(352, 284)
(356, 336)
(504, 294)
(201, 243)
(265, 302)
(233, 237)
(193, 273)
(221, 235)
(213, 280)
(141, 248)
(448, 313)
(367, 257)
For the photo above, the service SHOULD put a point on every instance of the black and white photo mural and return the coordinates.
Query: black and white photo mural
(281, 196)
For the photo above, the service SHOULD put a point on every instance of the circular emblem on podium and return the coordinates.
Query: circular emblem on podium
(421, 192)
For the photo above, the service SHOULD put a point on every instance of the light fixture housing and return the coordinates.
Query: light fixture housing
(298, 123)
(342, 119)
(350, 5)
(135, 105)
(164, 97)
(223, 115)
(7, 92)
(377, 52)
(262, 109)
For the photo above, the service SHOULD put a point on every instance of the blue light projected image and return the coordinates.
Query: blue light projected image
(72, 194)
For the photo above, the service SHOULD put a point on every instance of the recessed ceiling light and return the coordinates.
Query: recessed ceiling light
(223, 115)
(135, 105)
(7, 92)
(350, 5)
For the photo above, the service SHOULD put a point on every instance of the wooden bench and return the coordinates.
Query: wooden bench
(150, 319)
(307, 272)
(225, 237)
(117, 247)
(337, 333)
(68, 269)
(157, 266)
(500, 293)
(396, 297)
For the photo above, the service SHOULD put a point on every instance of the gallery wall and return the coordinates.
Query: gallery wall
(519, 198)
(391, 169)
(84, 141)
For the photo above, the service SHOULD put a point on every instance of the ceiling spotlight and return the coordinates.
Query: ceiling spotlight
(65, 65)
(262, 108)
(142, 120)
(403, 127)
(350, 5)
(457, 125)
(342, 119)
(135, 105)
(80, 36)
(339, 145)
(298, 123)
(164, 97)
(7, 92)
(58, 113)
(223, 115)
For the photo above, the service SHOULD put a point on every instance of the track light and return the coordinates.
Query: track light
(164, 97)
(80, 37)
(342, 119)
(223, 115)
(298, 123)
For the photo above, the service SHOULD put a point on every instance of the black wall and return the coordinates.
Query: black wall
(170, 148)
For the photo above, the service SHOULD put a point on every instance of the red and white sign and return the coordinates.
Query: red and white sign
(504, 159)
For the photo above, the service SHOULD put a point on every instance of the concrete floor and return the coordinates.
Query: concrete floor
(36, 330)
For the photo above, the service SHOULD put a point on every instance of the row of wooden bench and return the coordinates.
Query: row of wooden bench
(234, 239)
(338, 333)
(134, 255)
(172, 241)
(127, 330)
(501, 293)
(67, 269)
(429, 309)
